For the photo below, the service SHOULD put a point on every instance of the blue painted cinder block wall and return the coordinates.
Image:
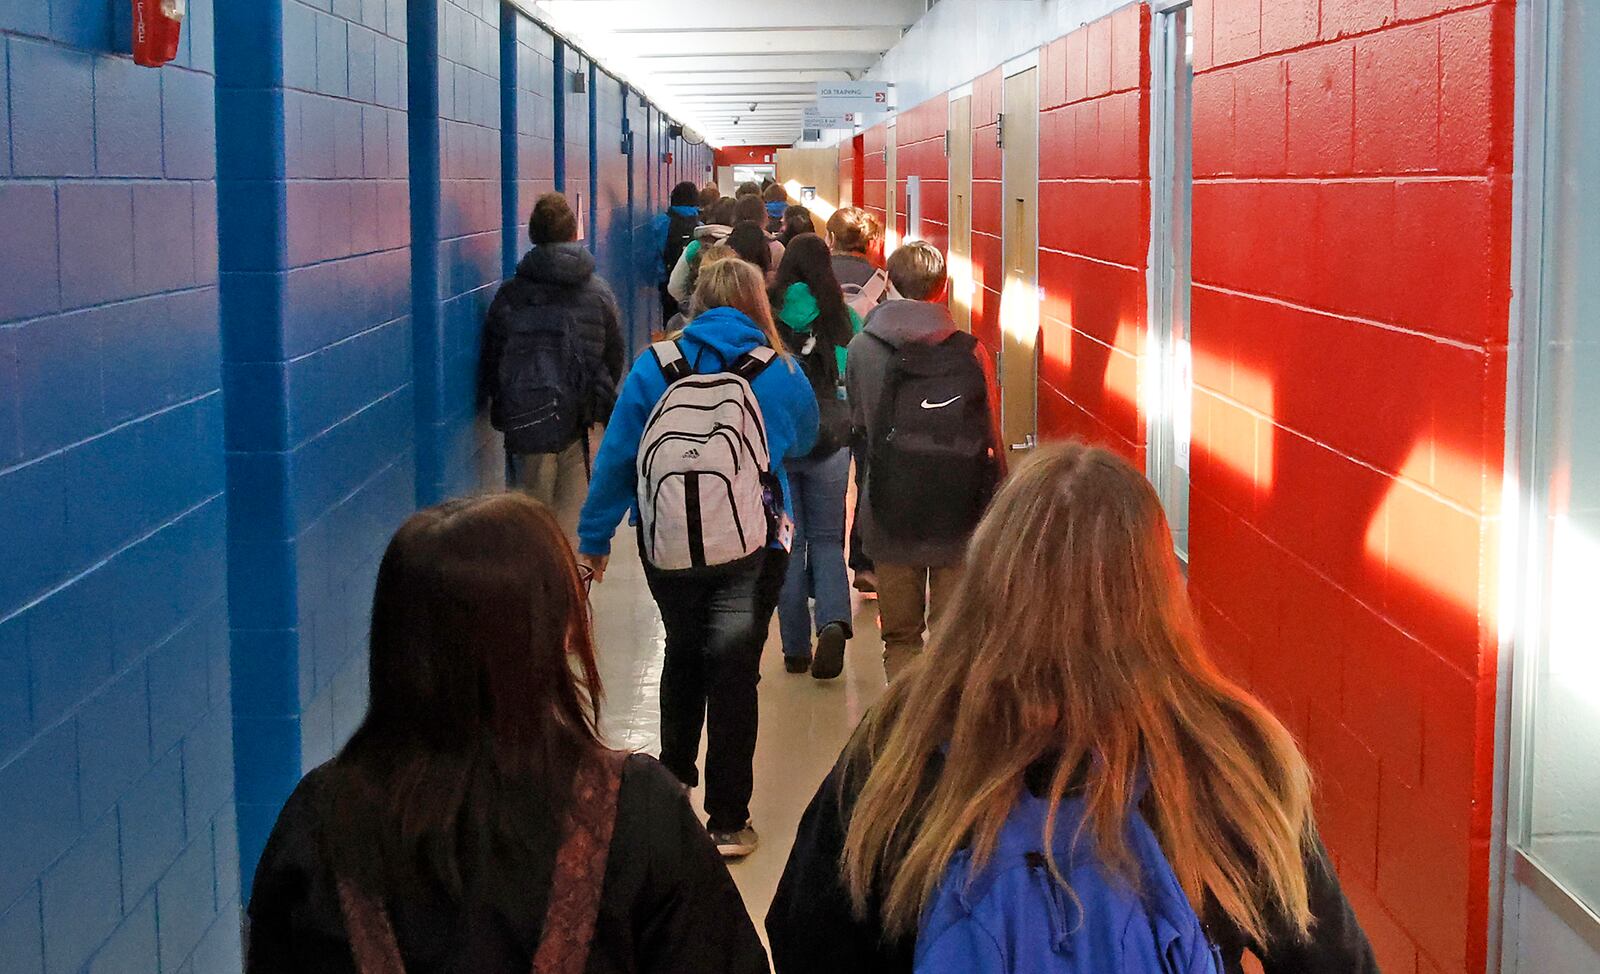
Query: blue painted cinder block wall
(117, 821)
(226, 375)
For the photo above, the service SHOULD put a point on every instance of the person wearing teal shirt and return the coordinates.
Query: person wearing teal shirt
(817, 326)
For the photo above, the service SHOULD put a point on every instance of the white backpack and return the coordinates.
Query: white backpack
(705, 485)
(862, 298)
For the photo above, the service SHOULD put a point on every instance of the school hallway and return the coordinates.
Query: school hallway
(805, 723)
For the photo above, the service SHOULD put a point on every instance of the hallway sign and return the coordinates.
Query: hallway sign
(816, 118)
(852, 96)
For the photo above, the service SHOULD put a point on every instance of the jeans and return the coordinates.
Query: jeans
(716, 626)
(911, 598)
(817, 490)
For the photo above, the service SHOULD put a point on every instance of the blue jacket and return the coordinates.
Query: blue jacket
(718, 336)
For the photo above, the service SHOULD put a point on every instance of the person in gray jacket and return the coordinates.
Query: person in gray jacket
(915, 574)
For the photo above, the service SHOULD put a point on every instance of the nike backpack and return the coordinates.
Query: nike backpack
(707, 495)
(931, 470)
(862, 298)
(1014, 917)
(544, 383)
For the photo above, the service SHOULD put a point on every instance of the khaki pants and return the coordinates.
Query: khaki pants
(559, 480)
(911, 598)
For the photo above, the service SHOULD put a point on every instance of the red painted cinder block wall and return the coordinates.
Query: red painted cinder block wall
(920, 152)
(1352, 206)
(1094, 230)
(988, 256)
(875, 171)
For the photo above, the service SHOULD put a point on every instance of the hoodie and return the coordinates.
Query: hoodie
(713, 341)
(799, 311)
(551, 277)
(679, 284)
(899, 323)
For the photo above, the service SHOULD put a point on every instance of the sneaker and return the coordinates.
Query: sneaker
(797, 664)
(737, 844)
(829, 661)
(866, 582)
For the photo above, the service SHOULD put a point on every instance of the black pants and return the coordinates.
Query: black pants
(858, 561)
(716, 627)
(669, 306)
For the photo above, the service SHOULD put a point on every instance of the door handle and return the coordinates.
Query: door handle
(1029, 442)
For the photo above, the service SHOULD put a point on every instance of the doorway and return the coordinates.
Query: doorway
(1019, 295)
(958, 145)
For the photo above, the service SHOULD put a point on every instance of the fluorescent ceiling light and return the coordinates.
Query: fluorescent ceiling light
(619, 54)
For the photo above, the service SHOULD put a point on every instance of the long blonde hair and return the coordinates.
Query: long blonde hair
(1072, 640)
(728, 282)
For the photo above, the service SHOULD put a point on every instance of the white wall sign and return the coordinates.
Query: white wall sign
(814, 118)
(852, 96)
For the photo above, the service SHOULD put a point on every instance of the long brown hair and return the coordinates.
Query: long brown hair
(483, 691)
(1074, 643)
(737, 284)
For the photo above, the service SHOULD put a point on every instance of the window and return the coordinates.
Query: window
(1169, 389)
(1553, 811)
(914, 208)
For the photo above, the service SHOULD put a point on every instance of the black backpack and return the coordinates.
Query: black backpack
(819, 360)
(931, 470)
(680, 230)
(544, 384)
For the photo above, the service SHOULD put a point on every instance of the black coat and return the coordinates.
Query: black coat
(559, 275)
(812, 927)
(668, 905)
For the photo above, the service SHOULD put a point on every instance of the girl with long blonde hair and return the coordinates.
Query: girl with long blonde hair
(716, 615)
(1069, 663)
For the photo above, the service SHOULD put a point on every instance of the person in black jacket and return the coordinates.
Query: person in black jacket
(556, 280)
(676, 229)
(1069, 664)
(446, 805)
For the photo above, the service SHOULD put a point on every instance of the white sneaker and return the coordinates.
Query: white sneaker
(736, 845)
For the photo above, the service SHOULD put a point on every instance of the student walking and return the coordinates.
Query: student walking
(475, 822)
(696, 452)
(1068, 768)
(750, 209)
(718, 224)
(674, 232)
(777, 200)
(817, 326)
(922, 397)
(854, 235)
(552, 357)
(796, 220)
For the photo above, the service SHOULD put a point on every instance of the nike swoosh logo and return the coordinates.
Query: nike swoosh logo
(938, 405)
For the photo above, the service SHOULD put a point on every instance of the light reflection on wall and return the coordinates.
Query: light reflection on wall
(1233, 419)
(1427, 537)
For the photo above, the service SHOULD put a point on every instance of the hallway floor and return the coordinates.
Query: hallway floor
(804, 722)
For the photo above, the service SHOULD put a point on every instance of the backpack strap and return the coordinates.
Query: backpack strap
(580, 871)
(672, 362)
(372, 943)
(754, 362)
(876, 285)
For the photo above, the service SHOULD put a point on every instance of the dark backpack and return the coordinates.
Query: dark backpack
(544, 384)
(931, 471)
(680, 230)
(819, 360)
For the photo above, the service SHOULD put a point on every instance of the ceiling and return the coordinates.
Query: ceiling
(709, 62)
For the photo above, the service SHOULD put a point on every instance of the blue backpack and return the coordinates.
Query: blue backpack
(1014, 917)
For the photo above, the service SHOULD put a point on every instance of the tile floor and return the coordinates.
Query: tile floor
(804, 722)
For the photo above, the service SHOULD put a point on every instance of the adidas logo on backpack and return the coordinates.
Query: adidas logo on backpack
(706, 490)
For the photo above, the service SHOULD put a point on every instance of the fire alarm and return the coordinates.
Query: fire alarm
(157, 29)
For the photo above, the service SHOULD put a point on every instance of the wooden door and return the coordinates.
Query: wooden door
(1019, 296)
(817, 169)
(959, 148)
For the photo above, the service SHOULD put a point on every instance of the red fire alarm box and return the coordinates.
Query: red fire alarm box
(157, 28)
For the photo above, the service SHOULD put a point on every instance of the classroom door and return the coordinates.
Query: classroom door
(958, 145)
(1019, 296)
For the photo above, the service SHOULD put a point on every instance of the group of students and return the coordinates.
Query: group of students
(1061, 781)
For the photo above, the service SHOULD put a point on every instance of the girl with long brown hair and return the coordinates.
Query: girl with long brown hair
(439, 839)
(715, 613)
(1069, 663)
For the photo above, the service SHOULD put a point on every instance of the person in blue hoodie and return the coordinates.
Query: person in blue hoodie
(673, 230)
(777, 200)
(716, 622)
(817, 326)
